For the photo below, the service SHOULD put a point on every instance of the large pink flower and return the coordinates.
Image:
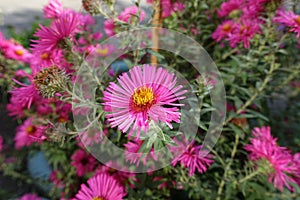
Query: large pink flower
(63, 27)
(223, 30)
(290, 19)
(29, 133)
(277, 161)
(53, 9)
(15, 51)
(190, 156)
(83, 162)
(143, 94)
(101, 187)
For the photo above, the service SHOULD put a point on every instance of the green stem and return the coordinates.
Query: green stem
(248, 177)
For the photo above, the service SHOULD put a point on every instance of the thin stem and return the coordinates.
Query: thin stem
(227, 168)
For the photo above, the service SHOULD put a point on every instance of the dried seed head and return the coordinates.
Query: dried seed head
(50, 81)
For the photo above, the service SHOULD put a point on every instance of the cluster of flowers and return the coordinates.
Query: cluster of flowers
(150, 92)
(277, 162)
(242, 20)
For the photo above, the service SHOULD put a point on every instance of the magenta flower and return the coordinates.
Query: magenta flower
(30, 197)
(289, 19)
(223, 30)
(230, 6)
(169, 7)
(1, 143)
(22, 98)
(243, 33)
(143, 94)
(190, 156)
(15, 51)
(101, 187)
(83, 162)
(63, 27)
(53, 9)
(28, 133)
(275, 161)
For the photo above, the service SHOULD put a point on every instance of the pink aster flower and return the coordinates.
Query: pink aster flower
(223, 30)
(30, 197)
(15, 51)
(127, 16)
(83, 162)
(277, 161)
(190, 156)
(229, 6)
(289, 19)
(133, 155)
(53, 9)
(21, 98)
(28, 133)
(101, 186)
(143, 94)
(65, 26)
(243, 33)
(169, 7)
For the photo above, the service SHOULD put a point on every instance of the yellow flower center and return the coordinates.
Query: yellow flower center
(30, 129)
(226, 27)
(143, 98)
(297, 20)
(44, 56)
(97, 198)
(19, 52)
(103, 51)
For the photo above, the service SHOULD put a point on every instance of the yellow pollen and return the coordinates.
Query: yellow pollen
(97, 198)
(103, 51)
(297, 20)
(19, 52)
(143, 96)
(44, 56)
(226, 27)
(30, 129)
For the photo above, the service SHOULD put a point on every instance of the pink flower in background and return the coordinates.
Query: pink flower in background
(30, 197)
(230, 6)
(127, 16)
(243, 32)
(190, 156)
(16, 51)
(289, 19)
(133, 155)
(83, 162)
(53, 9)
(121, 175)
(296, 161)
(223, 30)
(144, 93)
(101, 186)
(55, 178)
(41, 60)
(62, 28)
(29, 133)
(279, 161)
(1, 143)
(21, 98)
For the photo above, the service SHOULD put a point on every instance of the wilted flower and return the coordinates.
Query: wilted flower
(190, 156)
(51, 81)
